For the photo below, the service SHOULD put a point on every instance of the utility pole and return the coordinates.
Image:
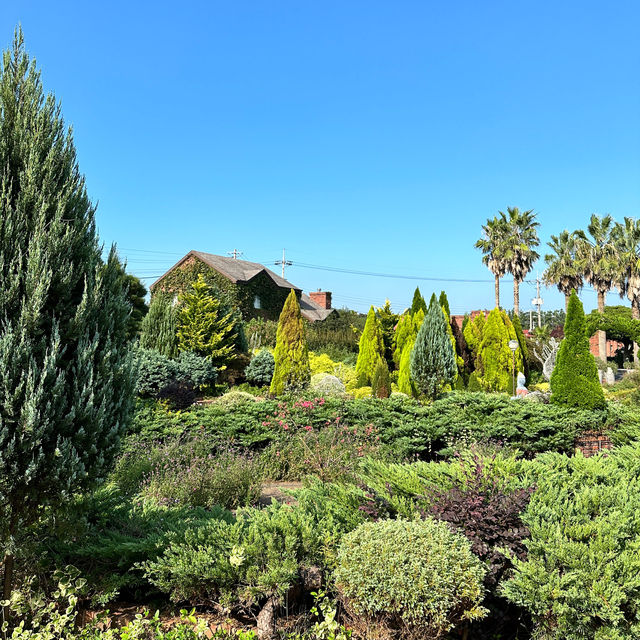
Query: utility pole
(284, 262)
(235, 254)
(538, 301)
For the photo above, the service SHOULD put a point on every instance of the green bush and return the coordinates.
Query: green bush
(155, 371)
(574, 381)
(370, 350)
(381, 382)
(417, 579)
(195, 369)
(326, 384)
(260, 369)
(580, 578)
(227, 479)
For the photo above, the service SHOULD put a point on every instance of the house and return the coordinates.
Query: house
(251, 287)
(459, 319)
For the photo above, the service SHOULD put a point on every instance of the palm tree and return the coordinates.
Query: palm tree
(596, 258)
(493, 237)
(626, 239)
(519, 248)
(561, 265)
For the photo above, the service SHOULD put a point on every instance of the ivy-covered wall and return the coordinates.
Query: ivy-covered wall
(239, 296)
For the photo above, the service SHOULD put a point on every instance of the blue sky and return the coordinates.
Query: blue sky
(370, 136)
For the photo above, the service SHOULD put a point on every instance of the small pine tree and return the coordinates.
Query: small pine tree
(405, 383)
(381, 382)
(371, 350)
(473, 334)
(403, 331)
(447, 322)
(203, 327)
(574, 381)
(160, 327)
(418, 302)
(433, 363)
(494, 354)
(292, 371)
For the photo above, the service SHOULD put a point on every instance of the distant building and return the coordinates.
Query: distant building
(459, 319)
(251, 287)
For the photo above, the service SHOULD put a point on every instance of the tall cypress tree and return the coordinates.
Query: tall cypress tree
(160, 326)
(574, 381)
(494, 354)
(66, 378)
(405, 382)
(418, 302)
(291, 354)
(370, 350)
(433, 362)
(203, 326)
(444, 303)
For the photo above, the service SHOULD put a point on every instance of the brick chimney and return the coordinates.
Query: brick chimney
(321, 298)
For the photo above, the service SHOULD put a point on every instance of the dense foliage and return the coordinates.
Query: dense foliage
(291, 370)
(160, 326)
(574, 381)
(261, 368)
(66, 378)
(371, 351)
(415, 578)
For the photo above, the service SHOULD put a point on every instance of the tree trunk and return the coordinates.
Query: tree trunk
(266, 622)
(566, 303)
(497, 290)
(635, 314)
(516, 297)
(602, 336)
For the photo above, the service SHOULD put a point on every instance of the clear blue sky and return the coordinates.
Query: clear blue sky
(365, 135)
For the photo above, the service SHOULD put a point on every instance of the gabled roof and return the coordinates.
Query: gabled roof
(233, 269)
(313, 311)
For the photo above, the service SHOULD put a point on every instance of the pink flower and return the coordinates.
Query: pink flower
(309, 428)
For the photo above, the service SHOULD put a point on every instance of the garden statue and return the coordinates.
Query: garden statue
(548, 357)
(521, 389)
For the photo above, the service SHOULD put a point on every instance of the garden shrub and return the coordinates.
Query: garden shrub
(580, 578)
(291, 372)
(574, 381)
(160, 325)
(228, 479)
(416, 579)
(321, 363)
(381, 383)
(260, 369)
(234, 398)
(155, 371)
(326, 384)
(179, 395)
(362, 392)
(196, 370)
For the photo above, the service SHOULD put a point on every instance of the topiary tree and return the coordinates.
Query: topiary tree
(203, 326)
(494, 354)
(66, 375)
(381, 382)
(410, 579)
(291, 355)
(574, 381)
(261, 367)
(160, 326)
(433, 362)
(371, 350)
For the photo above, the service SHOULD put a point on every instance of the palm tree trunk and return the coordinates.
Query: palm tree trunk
(635, 314)
(566, 303)
(516, 297)
(602, 336)
(497, 290)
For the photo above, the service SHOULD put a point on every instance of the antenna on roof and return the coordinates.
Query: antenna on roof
(284, 262)
(235, 254)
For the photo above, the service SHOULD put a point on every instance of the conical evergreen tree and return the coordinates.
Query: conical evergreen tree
(402, 332)
(381, 382)
(494, 354)
(574, 381)
(433, 363)
(418, 302)
(473, 334)
(387, 321)
(405, 382)
(444, 303)
(203, 327)
(66, 377)
(447, 322)
(370, 351)
(160, 326)
(524, 351)
(291, 355)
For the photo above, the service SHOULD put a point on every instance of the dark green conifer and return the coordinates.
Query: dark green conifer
(160, 326)
(418, 302)
(381, 382)
(66, 376)
(291, 355)
(574, 381)
(433, 362)
(444, 303)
